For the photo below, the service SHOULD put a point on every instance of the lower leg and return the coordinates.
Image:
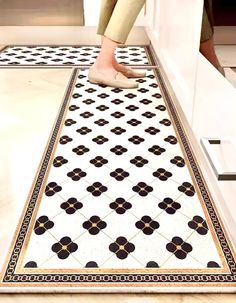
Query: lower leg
(106, 57)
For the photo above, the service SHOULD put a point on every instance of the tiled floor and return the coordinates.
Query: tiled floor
(119, 193)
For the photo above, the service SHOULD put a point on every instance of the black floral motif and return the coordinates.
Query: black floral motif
(52, 188)
(79, 85)
(69, 122)
(147, 225)
(88, 101)
(84, 130)
(73, 107)
(143, 90)
(152, 130)
(80, 150)
(161, 108)
(98, 161)
(120, 205)
(136, 140)
(119, 150)
(119, 174)
(91, 264)
(96, 189)
(142, 189)
(76, 95)
(100, 140)
(103, 96)
(152, 264)
(169, 206)
(117, 90)
(102, 107)
(134, 122)
(90, 90)
(86, 115)
(121, 247)
(42, 224)
(179, 247)
(118, 130)
(145, 101)
(101, 122)
(165, 122)
(212, 264)
(76, 174)
(158, 96)
(141, 80)
(178, 161)
(130, 96)
(31, 264)
(59, 161)
(65, 139)
(171, 139)
(117, 115)
(154, 85)
(156, 150)
(117, 101)
(199, 224)
(139, 161)
(187, 188)
(148, 115)
(94, 225)
(162, 174)
(132, 107)
(64, 247)
(71, 206)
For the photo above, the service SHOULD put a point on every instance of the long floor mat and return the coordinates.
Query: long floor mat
(46, 56)
(119, 202)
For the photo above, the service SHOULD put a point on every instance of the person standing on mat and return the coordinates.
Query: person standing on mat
(207, 34)
(116, 20)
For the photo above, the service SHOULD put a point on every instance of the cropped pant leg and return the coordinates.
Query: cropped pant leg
(117, 18)
(207, 21)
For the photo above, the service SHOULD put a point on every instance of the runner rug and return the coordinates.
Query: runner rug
(119, 202)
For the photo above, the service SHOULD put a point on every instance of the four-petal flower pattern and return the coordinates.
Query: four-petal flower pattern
(96, 189)
(99, 161)
(64, 247)
(162, 174)
(187, 188)
(147, 225)
(119, 174)
(42, 224)
(120, 205)
(179, 247)
(76, 174)
(139, 161)
(142, 189)
(169, 206)
(94, 225)
(59, 161)
(71, 206)
(199, 224)
(52, 188)
(178, 161)
(122, 247)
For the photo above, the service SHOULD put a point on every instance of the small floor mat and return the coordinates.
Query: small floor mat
(119, 202)
(68, 55)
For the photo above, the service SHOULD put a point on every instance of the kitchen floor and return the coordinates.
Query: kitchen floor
(45, 87)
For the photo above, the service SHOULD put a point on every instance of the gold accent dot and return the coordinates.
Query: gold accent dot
(178, 247)
(64, 247)
(122, 247)
(94, 224)
(147, 225)
(41, 225)
(199, 224)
